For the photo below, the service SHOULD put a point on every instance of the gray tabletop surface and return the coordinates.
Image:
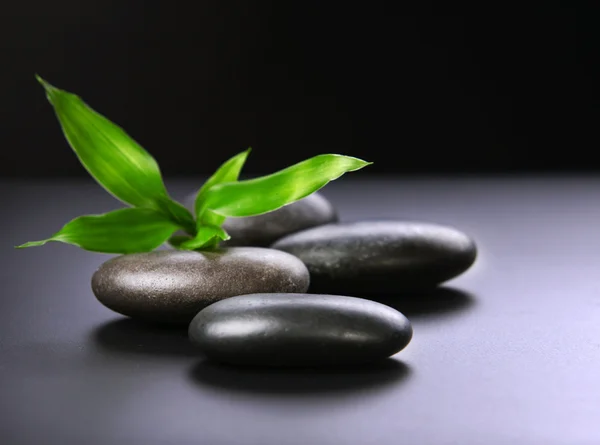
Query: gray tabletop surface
(508, 353)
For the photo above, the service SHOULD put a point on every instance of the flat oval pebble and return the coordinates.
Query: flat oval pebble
(263, 230)
(380, 256)
(172, 286)
(299, 330)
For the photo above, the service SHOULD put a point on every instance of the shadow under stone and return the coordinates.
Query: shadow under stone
(437, 302)
(299, 381)
(126, 335)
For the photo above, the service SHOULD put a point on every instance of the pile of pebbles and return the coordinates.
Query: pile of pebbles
(286, 289)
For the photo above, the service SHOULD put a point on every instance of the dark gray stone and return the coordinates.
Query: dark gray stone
(380, 256)
(172, 286)
(299, 330)
(263, 230)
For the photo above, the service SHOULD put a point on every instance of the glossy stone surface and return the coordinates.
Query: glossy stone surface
(172, 286)
(380, 256)
(299, 330)
(263, 230)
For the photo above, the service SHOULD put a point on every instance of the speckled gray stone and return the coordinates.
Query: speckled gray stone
(380, 256)
(263, 230)
(172, 286)
(299, 330)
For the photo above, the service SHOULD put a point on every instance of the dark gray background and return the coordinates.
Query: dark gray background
(508, 353)
(487, 88)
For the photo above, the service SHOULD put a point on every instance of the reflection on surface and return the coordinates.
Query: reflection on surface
(299, 381)
(125, 335)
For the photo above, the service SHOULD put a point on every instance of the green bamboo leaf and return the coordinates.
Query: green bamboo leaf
(229, 171)
(128, 230)
(268, 193)
(207, 236)
(210, 218)
(177, 240)
(112, 157)
(177, 213)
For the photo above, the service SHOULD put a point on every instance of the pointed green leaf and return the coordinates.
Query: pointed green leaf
(229, 171)
(268, 193)
(176, 212)
(121, 231)
(112, 157)
(206, 236)
(177, 240)
(210, 218)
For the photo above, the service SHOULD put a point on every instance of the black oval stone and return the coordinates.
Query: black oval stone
(263, 230)
(299, 330)
(172, 286)
(380, 256)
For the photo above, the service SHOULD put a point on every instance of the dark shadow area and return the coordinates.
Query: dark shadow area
(126, 335)
(438, 302)
(300, 381)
